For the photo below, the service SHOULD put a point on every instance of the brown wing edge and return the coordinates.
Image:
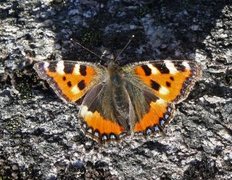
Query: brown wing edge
(39, 68)
(196, 74)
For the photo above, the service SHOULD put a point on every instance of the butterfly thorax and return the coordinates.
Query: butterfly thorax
(115, 74)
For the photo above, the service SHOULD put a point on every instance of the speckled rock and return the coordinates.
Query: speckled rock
(40, 136)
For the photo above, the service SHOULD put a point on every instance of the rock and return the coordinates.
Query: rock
(40, 136)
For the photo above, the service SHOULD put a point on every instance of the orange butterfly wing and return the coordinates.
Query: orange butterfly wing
(97, 112)
(171, 82)
(70, 80)
(100, 128)
(159, 114)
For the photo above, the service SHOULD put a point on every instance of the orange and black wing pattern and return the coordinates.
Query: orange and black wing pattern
(98, 113)
(141, 102)
(70, 80)
(170, 82)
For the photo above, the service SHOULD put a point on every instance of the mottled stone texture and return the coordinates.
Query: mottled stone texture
(40, 136)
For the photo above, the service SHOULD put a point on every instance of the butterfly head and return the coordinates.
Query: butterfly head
(108, 60)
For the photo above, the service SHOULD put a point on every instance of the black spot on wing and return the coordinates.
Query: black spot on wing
(162, 68)
(146, 70)
(69, 84)
(83, 70)
(168, 84)
(64, 78)
(68, 68)
(179, 66)
(172, 78)
(81, 85)
(155, 85)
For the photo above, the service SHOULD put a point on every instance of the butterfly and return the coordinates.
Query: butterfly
(116, 101)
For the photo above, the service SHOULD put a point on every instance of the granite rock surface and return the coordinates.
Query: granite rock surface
(40, 136)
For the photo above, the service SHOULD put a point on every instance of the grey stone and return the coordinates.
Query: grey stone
(40, 136)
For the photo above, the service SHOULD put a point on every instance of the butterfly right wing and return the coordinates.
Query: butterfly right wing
(163, 83)
(69, 79)
(151, 112)
(169, 80)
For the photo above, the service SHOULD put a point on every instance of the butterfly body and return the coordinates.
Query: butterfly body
(137, 98)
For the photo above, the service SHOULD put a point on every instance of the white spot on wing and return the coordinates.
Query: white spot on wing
(84, 111)
(75, 90)
(171, 67)
(186, 65)
(163, 90)
(96, 134)
(76, 69)
(162, 122)
(60, 67)
(104, 137)
(160, 101)
(166, 116)
(112, 136)
(156, 128)
(90, 130)
(154, 70)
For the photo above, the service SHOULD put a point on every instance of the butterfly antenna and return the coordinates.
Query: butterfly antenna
(85, 48)
(124, 47)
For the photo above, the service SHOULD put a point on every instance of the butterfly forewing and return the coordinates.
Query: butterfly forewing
(70, 80)
(169, 80)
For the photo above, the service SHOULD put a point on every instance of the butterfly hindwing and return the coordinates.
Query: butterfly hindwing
(151, 113)
(169, 80)
(69, 79)
(98, 115)
(159, 114)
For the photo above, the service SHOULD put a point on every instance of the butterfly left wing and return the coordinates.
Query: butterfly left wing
(73, 80)
(169, 80)
(69, 79)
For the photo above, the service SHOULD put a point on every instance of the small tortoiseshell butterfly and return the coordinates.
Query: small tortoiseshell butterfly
(137, 98)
